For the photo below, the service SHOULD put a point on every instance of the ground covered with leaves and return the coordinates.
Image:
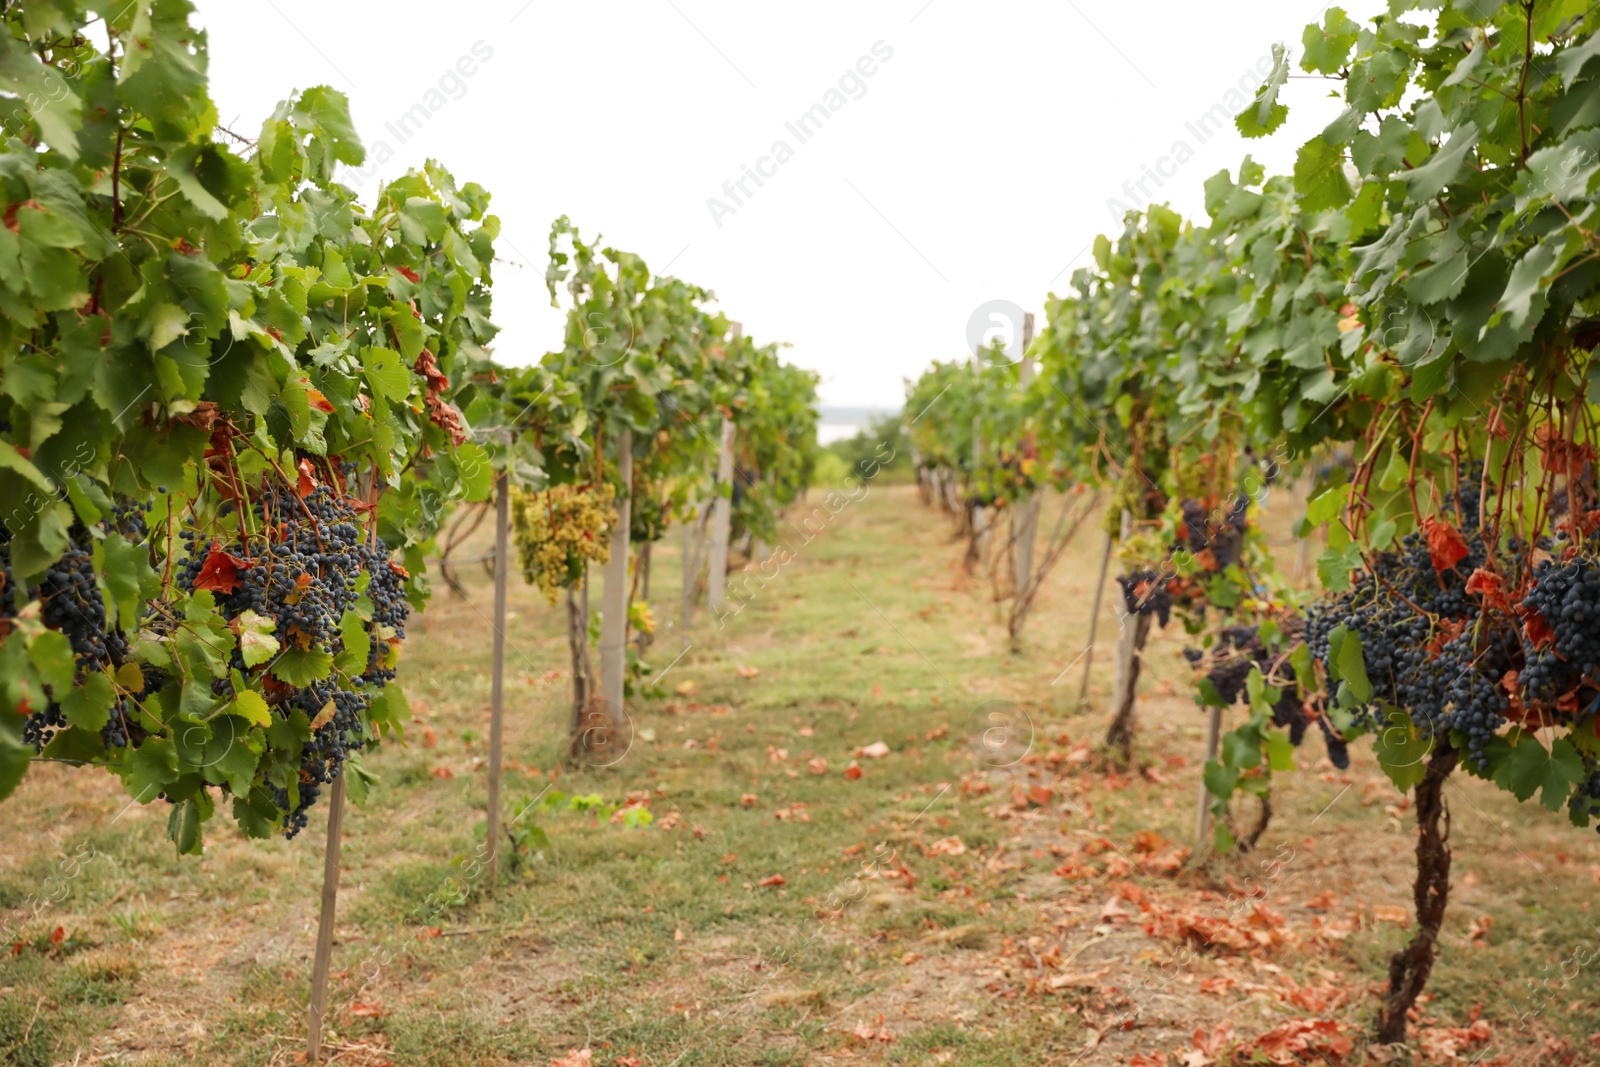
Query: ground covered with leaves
(874, 834)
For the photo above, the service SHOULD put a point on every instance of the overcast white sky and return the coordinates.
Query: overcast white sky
(974, 163)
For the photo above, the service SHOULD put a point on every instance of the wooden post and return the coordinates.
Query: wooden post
(1094, 617)
(1202, 819)
(614, 598)
(1027, 513)
(722, 510)
(691, 565)
(1125, 691)
(497, 685)
(330, 898)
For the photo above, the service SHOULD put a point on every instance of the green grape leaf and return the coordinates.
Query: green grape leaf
(257, 814)
(15, 757)
(1430, 179)
(1327, 505)
(358, 781)
(51, 655)
(1401, 752)
(249, 706)
(1570, 61)
(41, 93)
(387, 373)
(232, 753)
(128, 576)
(152, 767)
(183, 827)
(1327, 47)
(1220, 780)
(88, 706)
(1352, 665)
(1264, 114)
(300, 667)
(1319, 176)
(1529, 768)
(1280, 750)
(352, 659)
(256, 643)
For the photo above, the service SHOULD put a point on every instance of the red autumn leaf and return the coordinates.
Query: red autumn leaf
(308, 483)
(319, 401)
(773, 880)
(363, 1010)
(853, 771)
(1536, 630)
(220, 573)
(1445, 543)
(58, 935)
(1489, 585)
(401, 571)
(410, 275)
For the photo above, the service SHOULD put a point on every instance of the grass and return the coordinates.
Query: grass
(662, 943)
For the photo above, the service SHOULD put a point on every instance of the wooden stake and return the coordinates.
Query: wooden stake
(330, 899)
(497, 686)
(1202, 819)
(1027, 513)
(614, 597)
(722, 509)
(1125, 690)
(1094, 617)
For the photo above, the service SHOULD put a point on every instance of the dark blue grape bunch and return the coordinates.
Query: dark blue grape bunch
(305, 575)
(1145, 592)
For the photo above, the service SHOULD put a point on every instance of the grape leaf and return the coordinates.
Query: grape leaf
(256, 643)
(1529, 768)
(183, 827)
(300, 667)
(249, 705)
(353, 657)
(1401, 752)
(88, 706)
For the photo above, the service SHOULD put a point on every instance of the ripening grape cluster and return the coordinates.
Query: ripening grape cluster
(1481, 644)
(1217, 530)
(559, 530)
(70, 603)
(312, 564)
(1237, 651)
(1146, 592)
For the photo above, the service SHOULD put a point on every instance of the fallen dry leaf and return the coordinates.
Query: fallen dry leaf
(688, 689)
(773, 880)
(574, 1058)
(817, 766)
(876, 750)
(853, 771)
(749, 672)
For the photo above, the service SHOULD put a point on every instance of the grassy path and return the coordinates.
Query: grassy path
(939, 908)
